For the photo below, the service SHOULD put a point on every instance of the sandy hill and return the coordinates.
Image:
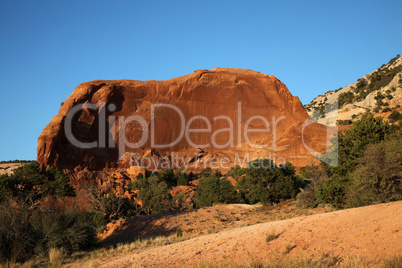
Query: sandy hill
(366, 235)
(379, 92)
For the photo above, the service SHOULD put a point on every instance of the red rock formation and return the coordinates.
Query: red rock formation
(232, 101)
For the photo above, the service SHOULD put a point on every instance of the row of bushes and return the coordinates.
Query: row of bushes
(262, 181)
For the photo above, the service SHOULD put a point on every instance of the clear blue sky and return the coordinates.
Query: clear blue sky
(49, 47)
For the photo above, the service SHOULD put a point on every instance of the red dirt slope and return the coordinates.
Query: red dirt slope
(372, 233)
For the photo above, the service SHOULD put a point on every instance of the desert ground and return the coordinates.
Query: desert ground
(237, 235)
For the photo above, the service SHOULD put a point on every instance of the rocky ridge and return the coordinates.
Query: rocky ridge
(379, 92)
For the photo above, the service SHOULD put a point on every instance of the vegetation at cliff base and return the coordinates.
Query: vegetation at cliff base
(268, 183)
(368, 170)
(214, 190)
(30, 222)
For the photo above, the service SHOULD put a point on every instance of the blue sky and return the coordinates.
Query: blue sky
(49, 47)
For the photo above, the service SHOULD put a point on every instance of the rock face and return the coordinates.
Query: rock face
(348, 104)
(216, 118)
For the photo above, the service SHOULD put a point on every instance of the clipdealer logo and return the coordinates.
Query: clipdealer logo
(237, 132)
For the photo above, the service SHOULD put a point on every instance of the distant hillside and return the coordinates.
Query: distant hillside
(8, 167)
(379, 92)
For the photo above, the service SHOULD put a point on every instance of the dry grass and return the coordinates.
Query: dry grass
(271, 236)
(394, 262)
(277, 261)
(354, 261)
(286, 261)
(288, 248)
(56, 256)
(125, 248)
(28, 264)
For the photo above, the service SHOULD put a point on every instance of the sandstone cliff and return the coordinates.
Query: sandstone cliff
(242, 115)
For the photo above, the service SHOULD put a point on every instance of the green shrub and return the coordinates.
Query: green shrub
(179, 232)
(352, 142)
(207, 172)
(70, 230)
(307, 198)
(333, 191)
(191, 176)
(24, 232)
(213, 190)
(29, 185)
(99, 220)
(344, 122)
(17, 237)
(236, 171)
(377, 178)
(182, 179)
(345, 98)
(154, 193)
(361, 83)
(315, 177)
(270, 237)
(395, 116)
(167, 175)
(267, 183)
(107, 204)
(383, 76)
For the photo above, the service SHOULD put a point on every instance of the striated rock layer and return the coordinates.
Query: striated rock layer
(242, 115)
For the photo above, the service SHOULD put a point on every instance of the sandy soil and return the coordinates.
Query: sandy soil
(372, 233)
(198, 222)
